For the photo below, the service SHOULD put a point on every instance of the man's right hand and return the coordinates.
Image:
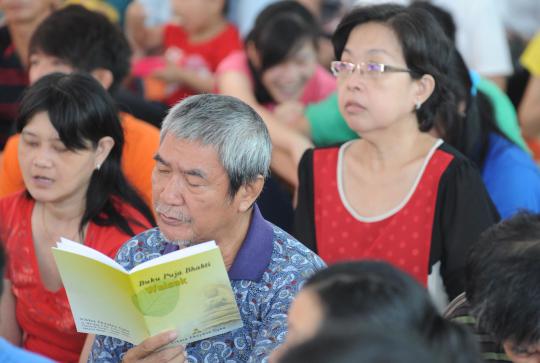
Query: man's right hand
(151, 350)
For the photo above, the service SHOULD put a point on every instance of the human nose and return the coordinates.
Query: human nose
(173, 190)
(42, 159)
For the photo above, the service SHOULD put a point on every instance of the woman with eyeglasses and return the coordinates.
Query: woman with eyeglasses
(397, 194)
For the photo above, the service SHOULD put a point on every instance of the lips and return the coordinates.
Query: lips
(41, 180)
(171, 220)
(354, 107)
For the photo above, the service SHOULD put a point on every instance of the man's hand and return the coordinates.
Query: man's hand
(151, 350)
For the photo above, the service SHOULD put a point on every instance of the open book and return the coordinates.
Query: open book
(187, 290)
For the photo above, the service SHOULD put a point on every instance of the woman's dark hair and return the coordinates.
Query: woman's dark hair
(426, 49)
(503, 280)
(279, 31)
(82, 112)
(382, 296)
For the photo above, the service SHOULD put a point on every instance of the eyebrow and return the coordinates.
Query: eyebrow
(192, 172)
(371, 51)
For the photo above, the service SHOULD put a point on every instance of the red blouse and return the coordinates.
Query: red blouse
(401, 237)
(45, 316)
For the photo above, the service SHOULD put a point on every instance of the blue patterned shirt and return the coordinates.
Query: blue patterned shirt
(268, 271)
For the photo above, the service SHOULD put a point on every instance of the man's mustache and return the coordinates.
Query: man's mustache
(171, 212)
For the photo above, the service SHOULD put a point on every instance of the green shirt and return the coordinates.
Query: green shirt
(328, 127)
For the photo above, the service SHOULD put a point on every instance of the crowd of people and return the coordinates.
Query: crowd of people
(368, 170)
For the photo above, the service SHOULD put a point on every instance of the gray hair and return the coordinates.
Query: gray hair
(232, 127)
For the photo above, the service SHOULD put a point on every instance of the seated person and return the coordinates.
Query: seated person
(95, 46)
(9, 352)
(192, 50)
(364, 344)
(19, 22)
(529, 107)
(279, 65)
(377, 295)
(70, 152)
(500, 303)
(398, 194)
(211, 165)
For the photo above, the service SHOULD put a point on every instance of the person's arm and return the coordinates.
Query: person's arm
(238, 85)
(151, 350)
(529, 108)
(199, 82)
(85, 352)
(304, 214)
(9, 327)
(463, 211)
(141, 37)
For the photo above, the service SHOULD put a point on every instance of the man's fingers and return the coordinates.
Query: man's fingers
(150, 345)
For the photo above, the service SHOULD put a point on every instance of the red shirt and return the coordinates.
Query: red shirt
(45, 316)
(401, 237)
(199, 57)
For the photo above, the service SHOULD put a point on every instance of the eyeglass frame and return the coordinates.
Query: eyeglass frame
(384, 68)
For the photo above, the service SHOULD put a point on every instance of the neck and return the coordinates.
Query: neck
(230, 244)
(385, 149)
(208, 32)
(63, 214)
(21, 33)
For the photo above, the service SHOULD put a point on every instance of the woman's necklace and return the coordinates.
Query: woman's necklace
(77, 236)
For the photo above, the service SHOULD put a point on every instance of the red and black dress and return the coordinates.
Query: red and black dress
(427, 234)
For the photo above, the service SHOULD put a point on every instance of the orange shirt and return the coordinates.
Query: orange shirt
(141, 141)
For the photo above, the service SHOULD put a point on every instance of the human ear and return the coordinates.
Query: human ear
(424, 88)
(253, 55)
(248, 193)
(104, 147)
(103, 76)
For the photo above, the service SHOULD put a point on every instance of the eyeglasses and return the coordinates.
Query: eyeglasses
(371, 69)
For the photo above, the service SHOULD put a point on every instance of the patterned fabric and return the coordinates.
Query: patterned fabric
(263, 300)
(459, 312)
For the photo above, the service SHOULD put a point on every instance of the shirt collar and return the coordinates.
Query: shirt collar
(253, 257)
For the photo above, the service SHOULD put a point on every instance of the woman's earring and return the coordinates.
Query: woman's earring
(417, 106)
(98, 166)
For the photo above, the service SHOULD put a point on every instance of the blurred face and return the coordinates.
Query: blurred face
(377, 100)
(52, 173)
(190, 192)
(287, 80)
(21, 11)
(304, 319)
(42, 64)
(197, 15)
(522, 354)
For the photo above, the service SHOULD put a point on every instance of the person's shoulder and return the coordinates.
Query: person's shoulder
(142, 247)
(12, 354)
(235, 61)
(288, 251)
(16, 202)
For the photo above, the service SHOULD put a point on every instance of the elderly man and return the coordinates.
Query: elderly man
(213, 157)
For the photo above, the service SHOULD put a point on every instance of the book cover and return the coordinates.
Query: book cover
(187, 290)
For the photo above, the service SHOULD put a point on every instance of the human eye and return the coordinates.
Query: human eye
(341, 68)
(60, 148)
(30, 142)
(374, 69)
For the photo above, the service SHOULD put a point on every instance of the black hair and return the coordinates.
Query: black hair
(84, 39)
(382, 296)
(362, 344)
(426, 49)
(445, 19)
(279, 31)
(503, 280)
(82, 113)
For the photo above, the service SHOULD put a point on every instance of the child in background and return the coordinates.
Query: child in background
(192, 50)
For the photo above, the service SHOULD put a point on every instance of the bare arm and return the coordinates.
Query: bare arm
(83, 358)
(200, 82)
(529, 109)
(141, 37)
(9, 327)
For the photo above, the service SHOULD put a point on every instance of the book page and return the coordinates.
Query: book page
(192, 295)
(83, 250)
(176, 255)
(100, 297)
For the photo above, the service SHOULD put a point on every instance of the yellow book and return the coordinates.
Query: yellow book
(187, 290)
